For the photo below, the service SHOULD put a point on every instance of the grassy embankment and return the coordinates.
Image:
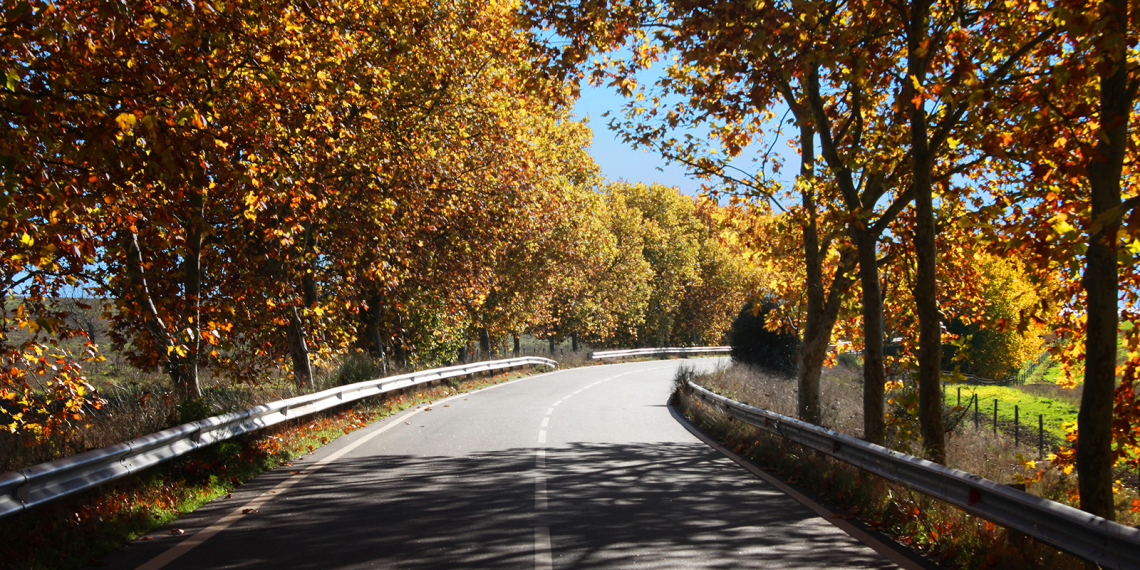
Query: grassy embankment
(1057, 407)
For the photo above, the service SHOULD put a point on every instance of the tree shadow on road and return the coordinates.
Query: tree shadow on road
(646, 505)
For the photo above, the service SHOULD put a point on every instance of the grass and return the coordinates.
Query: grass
(1031, 400)
(951, 536)
(78, 530)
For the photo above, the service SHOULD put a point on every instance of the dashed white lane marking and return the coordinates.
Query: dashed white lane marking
(543, 560)
(542, 557)
(540, 492)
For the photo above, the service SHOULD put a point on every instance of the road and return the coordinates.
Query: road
(579, 468)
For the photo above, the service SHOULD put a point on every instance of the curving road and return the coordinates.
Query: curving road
(580, 468)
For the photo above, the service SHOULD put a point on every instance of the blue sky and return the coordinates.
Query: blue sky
(619, 161)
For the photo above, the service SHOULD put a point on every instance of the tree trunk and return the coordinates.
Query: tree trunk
(552, 345)
(192, 289)
(1101, 278)
(817, 331)
(485, 343)
(295, 334)
(368, 335)
(298, 350)
(574, 341)
(516, 339)
(400, 353)
(926, 247)
(874, 376)
(183, 381)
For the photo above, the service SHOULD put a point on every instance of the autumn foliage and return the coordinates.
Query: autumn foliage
(243, 188)
(931, 136)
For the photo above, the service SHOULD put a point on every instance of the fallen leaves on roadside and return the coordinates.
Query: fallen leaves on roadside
(248, 511)
(177, 531)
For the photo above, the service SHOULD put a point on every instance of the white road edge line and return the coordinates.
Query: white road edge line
(174, 552)
(542, 557)
(852, 530)
(225, 522)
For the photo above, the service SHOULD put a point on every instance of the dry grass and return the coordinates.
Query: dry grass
(944, 532)
(139, 403)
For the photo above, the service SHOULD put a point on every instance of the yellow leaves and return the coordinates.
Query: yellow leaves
(27, 241)
(1061, 224)
(126, 122)
(1133, 247)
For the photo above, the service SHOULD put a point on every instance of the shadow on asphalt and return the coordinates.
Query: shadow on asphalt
(649, 505)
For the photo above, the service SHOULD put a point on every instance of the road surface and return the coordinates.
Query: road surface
(579, 468)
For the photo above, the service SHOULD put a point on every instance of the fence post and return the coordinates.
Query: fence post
(1040, 436)
(1016, 433)
(995, 416)
(975, 412)
(959, 396)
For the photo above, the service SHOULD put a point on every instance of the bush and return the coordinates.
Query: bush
(358, 367)
(755, 345)
(849, 360)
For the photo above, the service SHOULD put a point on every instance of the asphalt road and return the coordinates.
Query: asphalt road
(580, 468)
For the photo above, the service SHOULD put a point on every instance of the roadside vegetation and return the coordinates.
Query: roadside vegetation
(937, 530)
(78, 531)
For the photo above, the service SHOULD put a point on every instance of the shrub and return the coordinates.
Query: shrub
(753, 344)
(358, 367)
(849, 360)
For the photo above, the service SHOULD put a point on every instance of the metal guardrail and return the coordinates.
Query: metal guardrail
(1110, 544)
(27, 488)
(659, 352)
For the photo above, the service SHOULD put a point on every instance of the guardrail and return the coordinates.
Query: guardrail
(27, 488)
(659, 352)
(1109, 544)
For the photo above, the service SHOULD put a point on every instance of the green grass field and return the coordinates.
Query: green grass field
(1056, 405)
